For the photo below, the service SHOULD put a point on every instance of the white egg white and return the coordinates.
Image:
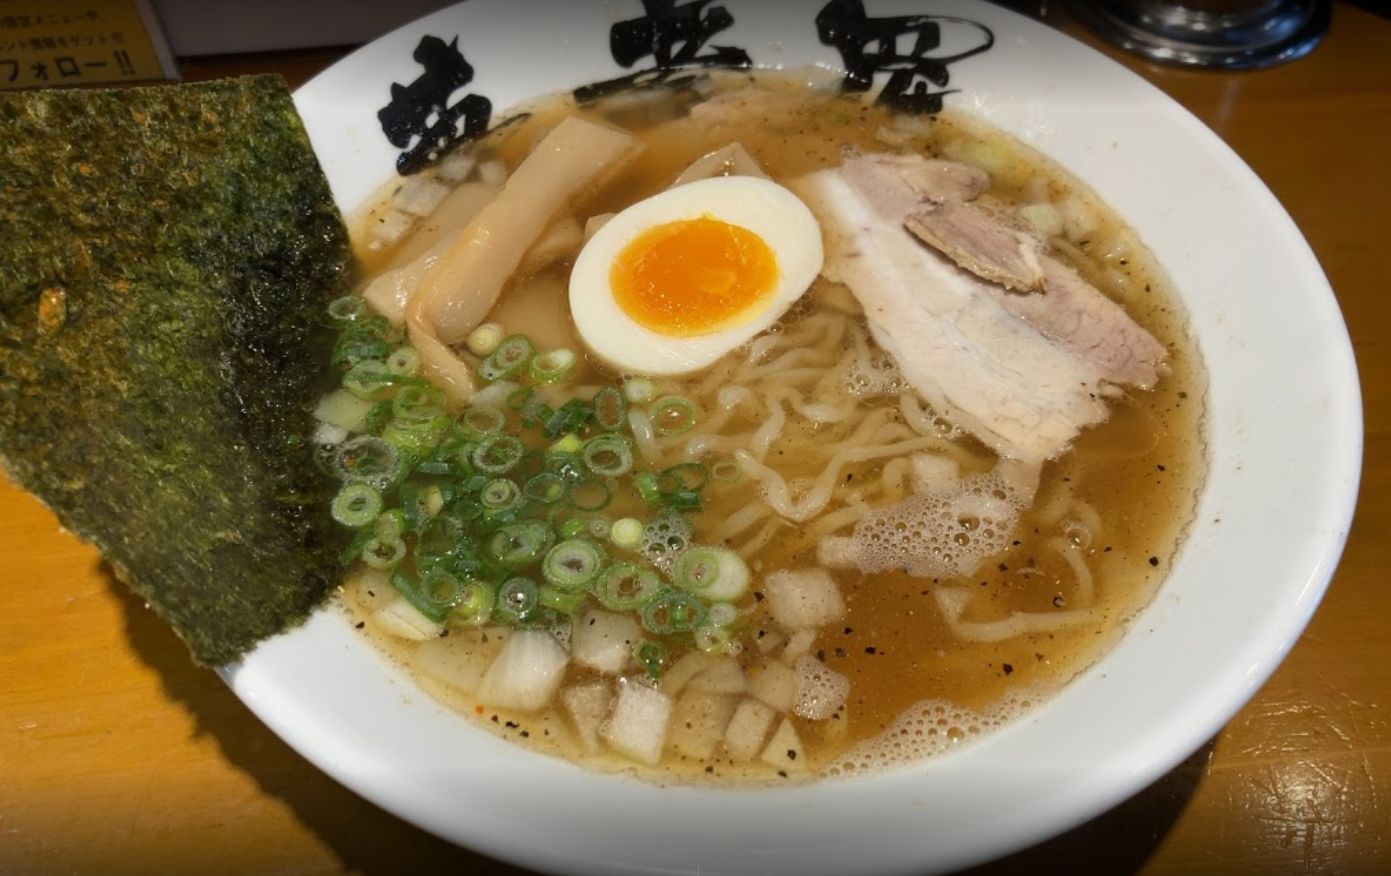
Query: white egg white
(763, 207)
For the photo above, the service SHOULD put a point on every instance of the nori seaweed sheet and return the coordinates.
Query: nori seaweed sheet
(167, 253)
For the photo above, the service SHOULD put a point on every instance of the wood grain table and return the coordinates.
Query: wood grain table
(118, 756)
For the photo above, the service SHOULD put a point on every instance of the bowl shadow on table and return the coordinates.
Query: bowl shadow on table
(369, 840)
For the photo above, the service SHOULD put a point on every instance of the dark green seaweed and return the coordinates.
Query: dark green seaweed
(166, 256)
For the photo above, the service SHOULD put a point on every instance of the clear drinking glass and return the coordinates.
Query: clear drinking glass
(1232, 34)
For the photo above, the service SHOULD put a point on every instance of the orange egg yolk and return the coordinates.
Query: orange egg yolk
(693, 276)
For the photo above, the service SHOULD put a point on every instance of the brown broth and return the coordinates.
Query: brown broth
(1140, 471)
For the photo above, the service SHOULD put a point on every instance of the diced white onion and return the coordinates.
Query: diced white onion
(603, 640)
(638, 726)
(821, 691)
(804, 598)
(775, 684)
(747, 729)
(526, 674)
(588, 706)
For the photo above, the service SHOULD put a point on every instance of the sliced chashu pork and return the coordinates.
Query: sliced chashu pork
(1017, 386)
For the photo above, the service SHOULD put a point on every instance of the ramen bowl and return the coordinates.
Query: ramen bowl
(1282, 432)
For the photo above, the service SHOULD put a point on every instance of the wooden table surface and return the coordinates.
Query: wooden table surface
(117, 755)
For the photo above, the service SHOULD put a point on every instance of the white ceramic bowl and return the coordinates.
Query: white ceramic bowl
(1285, 443)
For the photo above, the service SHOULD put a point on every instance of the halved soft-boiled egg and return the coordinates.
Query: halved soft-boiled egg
(675, 281)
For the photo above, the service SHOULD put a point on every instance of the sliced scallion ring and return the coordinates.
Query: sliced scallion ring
(368, 459)
(517, 600)
(610, 411)
(553, 366)
(672, 611)
(545, 488)
(475, 605)
(521, 544)
(624, 586)
(608, 456)
(497, 454)
(367, 378)
(712, 573)
(510, 357)
(559, 601)
(485, 339)
(403, 362)
(626, 533)
(639, 390)
(357, 504)
(722, 614)
(346, 309)
(417, 404)
(499, 494)
(715, 639)
(590, 494)
(573, 564)
(672, 415)
(383, 551)
(480, 421)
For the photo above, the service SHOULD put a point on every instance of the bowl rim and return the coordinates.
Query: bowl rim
(1308, 352)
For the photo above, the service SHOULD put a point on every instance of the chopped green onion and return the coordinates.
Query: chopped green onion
(480, 421)
(646, 484)
(567, 465)
(590, 494)
(573, 564)
(419, 503)
(722, 614)
(370, 460)
(624, 586)
(672, 611)
(672, 415)
(390, 523)
(517, 398)
(435, 596)
(598, 526)
(626, 533)
(498, 454)
(416, 438)
(639, 389)
(651, 656)
(535, 412)
(682, 500)
(726, 470)
(484, 339)
(403, 362)
(500, 494)
(569, 444)
(570, 528)
(510, 357)
(686, 476)
(517, 600)
(569, 417)
(367, 378)
(545, 488)
(377, 417)
(559, 600)
(357, 504)
(713, 573)
(476, 601)
(521, 544)
(609, 408)
(346, 309)
(553, 366)
(417, 404)
(608, 456)
(349, 352)
(715, 640)
(383, 551)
